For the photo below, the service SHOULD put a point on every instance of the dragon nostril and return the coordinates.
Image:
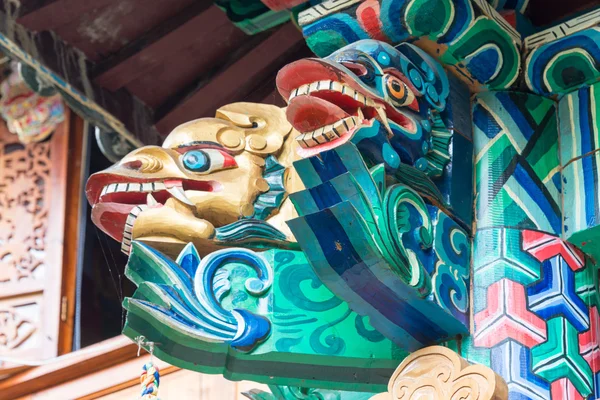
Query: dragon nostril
(137, 164)
(144, 163)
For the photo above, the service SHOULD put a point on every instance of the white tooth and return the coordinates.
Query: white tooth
(350, 122)
(125, 248)
(179, 194)
(103, 191)
(159, 186)
(370, 103)
(301, 142)
(121, 187)
(146, 187)
(111, 188)
(340, 128)
(335, 131)
(318, 136)
(135, 187)
(302, 90)
(313, 87)
(361, 116)
(309, 140)
(150, 200)
(384, 120)
(328, 133)
(337, 86)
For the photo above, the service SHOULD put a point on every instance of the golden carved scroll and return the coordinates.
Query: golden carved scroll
(438, 373)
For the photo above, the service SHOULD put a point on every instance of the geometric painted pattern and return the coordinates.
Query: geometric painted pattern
(535, 296)
(559, 357)
(588, 341)
(555, 294)
(535, 311)
(498, 255)
(564, 389)
(543, 246)
(512, 361)
(507, 317)
(518, 182)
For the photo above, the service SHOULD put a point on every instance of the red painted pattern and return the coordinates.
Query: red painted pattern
(367, 15)
(507, 317)
(564, 389)
(588, 341)
(543, 246)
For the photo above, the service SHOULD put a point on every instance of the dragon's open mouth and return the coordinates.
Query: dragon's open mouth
(327, 106)
(118, 200)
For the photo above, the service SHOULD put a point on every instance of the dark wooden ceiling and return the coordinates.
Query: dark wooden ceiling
(152, 64)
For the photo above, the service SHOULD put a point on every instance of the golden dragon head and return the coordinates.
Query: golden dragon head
(214, 182)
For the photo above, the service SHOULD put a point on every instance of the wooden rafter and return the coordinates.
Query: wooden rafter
(239, 78)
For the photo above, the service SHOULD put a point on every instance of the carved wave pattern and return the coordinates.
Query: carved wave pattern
(187, 295)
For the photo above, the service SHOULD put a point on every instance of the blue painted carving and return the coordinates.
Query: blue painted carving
(373, 246)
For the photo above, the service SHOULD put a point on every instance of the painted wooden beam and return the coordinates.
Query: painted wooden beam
(66, 67)
(238, 79)
(24, 7)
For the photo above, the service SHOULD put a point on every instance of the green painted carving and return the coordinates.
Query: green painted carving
(255, 316)
(468, 36)
(298, 393)
(565, 57)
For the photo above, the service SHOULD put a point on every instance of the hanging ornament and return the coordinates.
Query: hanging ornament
(150, 377)
(149, 380)
(29, 114)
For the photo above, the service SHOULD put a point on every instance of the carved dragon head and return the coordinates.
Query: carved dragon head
(385, 99)
(213, 182)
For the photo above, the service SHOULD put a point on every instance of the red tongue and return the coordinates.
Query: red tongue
(111, 218)
(307, 113)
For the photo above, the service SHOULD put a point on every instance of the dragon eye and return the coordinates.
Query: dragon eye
(399, 93)
(206, 161)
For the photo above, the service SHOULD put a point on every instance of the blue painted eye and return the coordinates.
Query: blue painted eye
(196, 160)
(206, 161)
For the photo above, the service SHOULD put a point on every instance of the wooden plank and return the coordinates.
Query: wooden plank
(59, 13)
(72, 366)
(188, 31)
(105, 31)
(192, 69)
(235, 82)
(74, 198)
(55, 236)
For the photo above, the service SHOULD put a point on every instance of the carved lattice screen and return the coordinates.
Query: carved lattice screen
(32, 220)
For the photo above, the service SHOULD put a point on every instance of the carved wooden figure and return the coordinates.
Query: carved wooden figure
(428, 128)
(215, 182)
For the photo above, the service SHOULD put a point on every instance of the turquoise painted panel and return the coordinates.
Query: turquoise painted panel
(579, 115)
(516, 162)
(581, 198)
